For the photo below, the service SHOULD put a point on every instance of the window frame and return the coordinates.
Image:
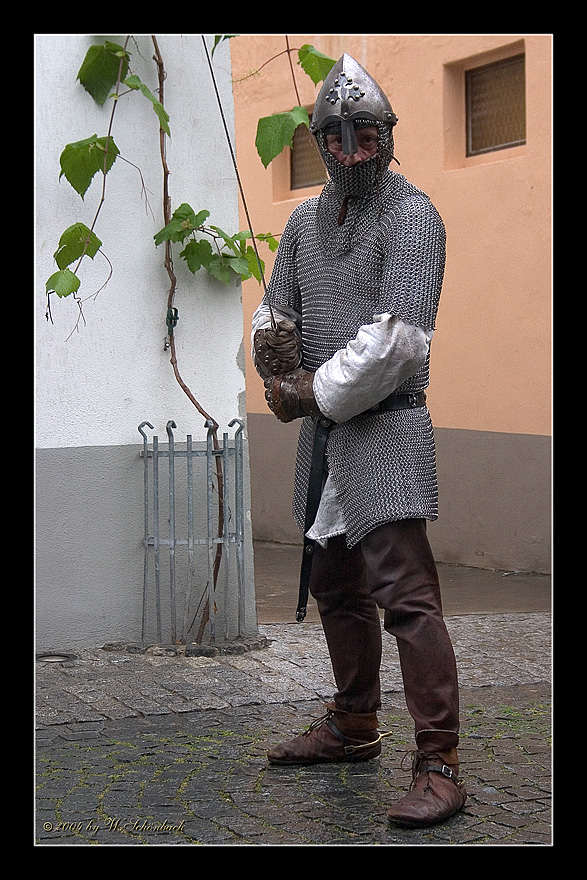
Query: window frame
(470, 73)
(282, 177)
(311, 146)
(454, 108)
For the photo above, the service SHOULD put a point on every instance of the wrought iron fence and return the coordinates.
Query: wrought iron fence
(194, 521)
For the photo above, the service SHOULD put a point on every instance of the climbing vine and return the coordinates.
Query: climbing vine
(276, 132)
(104, 71)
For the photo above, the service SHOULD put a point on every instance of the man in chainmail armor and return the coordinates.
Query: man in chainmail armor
(342, 340)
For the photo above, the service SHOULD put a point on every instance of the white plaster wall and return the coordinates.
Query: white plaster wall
(95, 385)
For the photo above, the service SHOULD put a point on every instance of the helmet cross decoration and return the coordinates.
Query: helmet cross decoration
(344, 89)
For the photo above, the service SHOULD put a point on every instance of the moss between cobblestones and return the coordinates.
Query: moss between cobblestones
(238, 646)
(209, 771)
(534, 720)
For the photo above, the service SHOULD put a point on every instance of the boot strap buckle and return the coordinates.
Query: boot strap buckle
(445, 771)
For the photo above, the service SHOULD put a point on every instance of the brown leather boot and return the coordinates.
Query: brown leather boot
(336, 736)
(435, 793)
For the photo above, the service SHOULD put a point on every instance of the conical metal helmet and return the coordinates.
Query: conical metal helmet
(349, 94)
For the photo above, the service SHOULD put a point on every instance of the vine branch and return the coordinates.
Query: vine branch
(167, 217)
(265, 63)
(289, 51)
(170, 299)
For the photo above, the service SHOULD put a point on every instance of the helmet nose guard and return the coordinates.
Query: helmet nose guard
(349, 139)
(349, 93)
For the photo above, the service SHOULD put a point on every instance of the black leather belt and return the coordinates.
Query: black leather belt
(323, 426)
(397, 401)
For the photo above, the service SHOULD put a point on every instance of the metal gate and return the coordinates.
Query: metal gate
(204, 522)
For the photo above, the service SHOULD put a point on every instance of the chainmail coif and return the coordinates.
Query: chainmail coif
(359, 179)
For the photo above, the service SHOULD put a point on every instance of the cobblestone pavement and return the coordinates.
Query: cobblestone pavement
(163, 749)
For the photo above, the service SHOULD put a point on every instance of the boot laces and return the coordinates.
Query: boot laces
(349, 748)
(318, 722)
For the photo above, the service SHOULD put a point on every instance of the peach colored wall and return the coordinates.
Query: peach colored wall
(491, 351)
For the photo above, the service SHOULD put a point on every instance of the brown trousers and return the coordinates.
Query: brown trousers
(391, 568)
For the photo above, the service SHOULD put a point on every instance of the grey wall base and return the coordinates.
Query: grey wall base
(494, 514)
(495, 499)
(90, 554)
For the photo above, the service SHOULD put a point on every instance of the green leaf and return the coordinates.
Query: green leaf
(100, 68)
(242, 236)
(133, 82)
(219, 38)
(197, 254)
(183, 222)
(219, 268)
(239, 265)
(270, 239)
(276, 132)
(76, 241)
(62, 283)
(314, 63)
(223, 267)
(81, 160)
(253, 262)
(229, 240)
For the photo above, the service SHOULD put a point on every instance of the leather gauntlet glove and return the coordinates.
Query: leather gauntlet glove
(291, 397)
(277, 351)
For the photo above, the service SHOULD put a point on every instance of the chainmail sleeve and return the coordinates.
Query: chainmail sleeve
(283, 291)
(413, 267)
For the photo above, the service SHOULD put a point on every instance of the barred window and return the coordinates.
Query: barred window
(496, 106)
(307, 167)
